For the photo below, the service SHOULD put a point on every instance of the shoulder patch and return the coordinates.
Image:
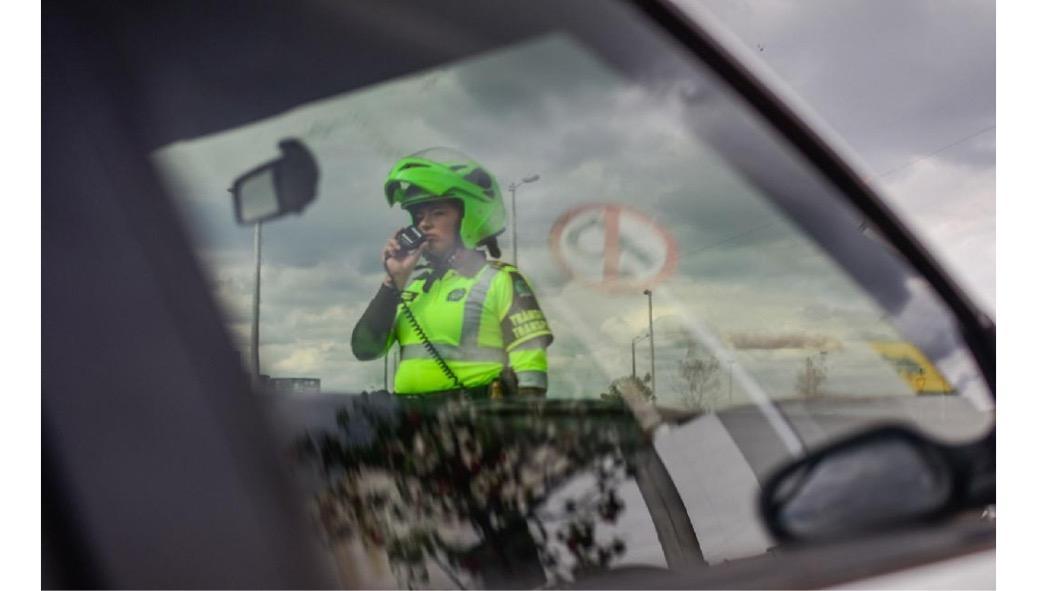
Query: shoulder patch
(524, 321)
(521, 289)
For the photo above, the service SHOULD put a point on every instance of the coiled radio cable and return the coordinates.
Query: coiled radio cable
(418, 329)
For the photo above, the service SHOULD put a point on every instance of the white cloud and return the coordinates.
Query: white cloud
(591, 137)
(952, 207)
(911, 87)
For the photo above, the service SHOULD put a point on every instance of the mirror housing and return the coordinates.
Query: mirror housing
(275, 188)
(888, 476)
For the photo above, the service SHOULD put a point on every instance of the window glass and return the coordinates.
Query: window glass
(675, 244)
(627, 199)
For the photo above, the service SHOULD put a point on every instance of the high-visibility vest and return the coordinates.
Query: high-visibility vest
(478, 324)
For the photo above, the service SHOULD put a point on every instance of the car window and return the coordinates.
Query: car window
(678, 246)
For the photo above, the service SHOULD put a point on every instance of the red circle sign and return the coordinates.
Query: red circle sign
(613, 247)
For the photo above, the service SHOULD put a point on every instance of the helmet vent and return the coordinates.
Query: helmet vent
(412, 190)
(480, 178)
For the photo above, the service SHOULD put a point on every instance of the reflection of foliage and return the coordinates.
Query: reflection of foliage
(461, 485)
(700, 380)
(812, 376)
(574, 547)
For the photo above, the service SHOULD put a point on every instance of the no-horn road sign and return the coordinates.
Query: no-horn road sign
(613, 247)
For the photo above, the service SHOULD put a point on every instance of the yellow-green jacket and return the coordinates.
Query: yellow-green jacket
(479, 320)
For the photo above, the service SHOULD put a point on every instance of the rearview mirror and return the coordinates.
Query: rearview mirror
(275, 188)
(881, 478)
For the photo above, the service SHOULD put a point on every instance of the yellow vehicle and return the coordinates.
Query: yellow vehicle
(913, 367)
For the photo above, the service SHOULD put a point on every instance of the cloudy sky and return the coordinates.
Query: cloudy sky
(910, 86)
(733, 278)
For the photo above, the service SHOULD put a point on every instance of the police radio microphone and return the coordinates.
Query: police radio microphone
(408, 239)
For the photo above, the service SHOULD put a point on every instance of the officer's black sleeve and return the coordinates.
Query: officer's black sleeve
(373, 329)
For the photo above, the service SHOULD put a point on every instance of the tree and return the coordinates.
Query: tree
(700, 381)
(812, 376)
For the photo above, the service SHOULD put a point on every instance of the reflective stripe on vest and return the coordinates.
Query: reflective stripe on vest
(532, 379)
(474, 306)
(454, 353)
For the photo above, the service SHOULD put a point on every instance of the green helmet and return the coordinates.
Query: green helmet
(444, 173)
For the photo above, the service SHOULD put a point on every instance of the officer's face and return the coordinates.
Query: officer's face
(439, 221)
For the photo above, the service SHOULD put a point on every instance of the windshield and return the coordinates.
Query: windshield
(677, 247)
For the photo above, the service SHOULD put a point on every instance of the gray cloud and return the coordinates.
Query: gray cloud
(892, 78)
(592, 138)
(911, 87)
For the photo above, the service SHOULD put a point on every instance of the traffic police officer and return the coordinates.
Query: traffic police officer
(465, 322)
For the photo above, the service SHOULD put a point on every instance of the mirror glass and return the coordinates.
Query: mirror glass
(256, 196)
(873, 483)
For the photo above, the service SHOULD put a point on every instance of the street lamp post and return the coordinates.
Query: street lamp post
(255, 300)
(514, 213)
(652, 346)
(730, 364)
(634, 341)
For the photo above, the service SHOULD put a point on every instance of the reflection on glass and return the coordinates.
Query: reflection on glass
(768, 332)
(784, 320)
(468, 493)
(867, 485)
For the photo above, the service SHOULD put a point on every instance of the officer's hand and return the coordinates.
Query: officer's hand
(399, 269)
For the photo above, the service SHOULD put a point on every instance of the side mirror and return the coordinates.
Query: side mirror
(881, 478)
(275, 188)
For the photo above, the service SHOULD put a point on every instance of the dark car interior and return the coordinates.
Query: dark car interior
(159, 468)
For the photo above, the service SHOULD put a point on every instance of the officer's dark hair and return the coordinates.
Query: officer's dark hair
(492, 245)
(455, 203)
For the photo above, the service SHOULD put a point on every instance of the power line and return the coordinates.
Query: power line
(729, 239)
(934, 153)
(881, 174)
